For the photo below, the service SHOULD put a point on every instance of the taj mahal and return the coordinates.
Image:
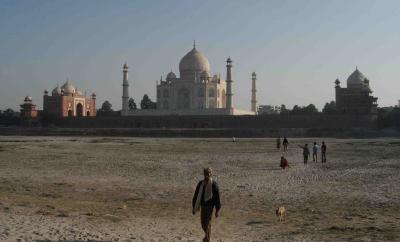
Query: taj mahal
(194, 92)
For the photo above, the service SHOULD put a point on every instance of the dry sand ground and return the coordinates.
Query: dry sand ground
(140, 189)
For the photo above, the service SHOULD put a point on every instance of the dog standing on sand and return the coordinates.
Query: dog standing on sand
(281, 213)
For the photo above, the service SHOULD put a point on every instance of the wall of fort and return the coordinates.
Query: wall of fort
(318, 121)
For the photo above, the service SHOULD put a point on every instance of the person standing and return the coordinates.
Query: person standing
(306, 153)
(278, 143)
(323, 152)
(285, 144)
(315, 152)
(205, 198)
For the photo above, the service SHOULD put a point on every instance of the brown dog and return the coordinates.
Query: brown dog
(281, 213)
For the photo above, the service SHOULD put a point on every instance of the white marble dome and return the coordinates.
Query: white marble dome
(28, 99)
(192, 63)
(68, 88)
(56, 90)
(356, 79)
(171, 76)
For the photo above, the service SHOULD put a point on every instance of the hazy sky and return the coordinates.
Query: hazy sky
(297, 48)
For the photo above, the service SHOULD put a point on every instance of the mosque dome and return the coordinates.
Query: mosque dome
(68, 88)
(56, 90)
(171, 76)
(28, 99)
(356, 79)
(192, 63)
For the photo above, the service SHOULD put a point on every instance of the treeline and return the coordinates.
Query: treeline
(329, 108)
(9, 117)
(389, 117)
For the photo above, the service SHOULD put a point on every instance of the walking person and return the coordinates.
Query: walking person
(285, 144)
(205, 198)
(315, 152)
(306, 153)
(278, 143)
(323, 152)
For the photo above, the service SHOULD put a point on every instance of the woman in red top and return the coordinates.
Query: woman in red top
(284, 163)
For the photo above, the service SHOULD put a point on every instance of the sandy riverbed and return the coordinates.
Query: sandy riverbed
(140, 189)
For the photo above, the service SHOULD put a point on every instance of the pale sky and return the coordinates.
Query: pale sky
(297, 48)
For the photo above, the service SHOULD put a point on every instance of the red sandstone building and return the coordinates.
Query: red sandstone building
(68, 101)
(28, 109)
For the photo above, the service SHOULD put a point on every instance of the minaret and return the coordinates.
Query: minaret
(337, 92)
(229, 81)
(125, 90)
(253, 92)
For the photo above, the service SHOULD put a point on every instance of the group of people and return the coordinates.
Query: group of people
(306, 152)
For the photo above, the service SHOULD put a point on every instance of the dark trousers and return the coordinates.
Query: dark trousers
(206, 216)
(305, 159)
(323, 156)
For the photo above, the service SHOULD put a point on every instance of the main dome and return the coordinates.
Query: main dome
(192, 64)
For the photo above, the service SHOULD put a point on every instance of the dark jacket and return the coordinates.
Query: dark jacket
(214, 201)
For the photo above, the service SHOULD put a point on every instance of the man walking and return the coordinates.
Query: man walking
(323, 152)
(285, 144)
(205, 198)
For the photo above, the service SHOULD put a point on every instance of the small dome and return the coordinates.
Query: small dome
(171, 76)
(56, 91)
(28, 99)
(77, 92)
(356, 79)
(125, 66)
(204, 75)
(68, 88)
(193, 62)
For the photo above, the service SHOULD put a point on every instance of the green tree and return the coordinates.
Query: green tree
(106, 107)
(296, 110)
(329, 108)
(284, 110)
(310, 109)
(132, 104)
(9, 112)
(146, 103)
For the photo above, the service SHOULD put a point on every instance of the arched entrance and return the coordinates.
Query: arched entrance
(88, 113)
(79, 110)
(69, 113)
(183, 98)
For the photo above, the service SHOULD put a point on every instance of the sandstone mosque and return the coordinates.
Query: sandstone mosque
(68, 101)
(194, 92)
(357, 97)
